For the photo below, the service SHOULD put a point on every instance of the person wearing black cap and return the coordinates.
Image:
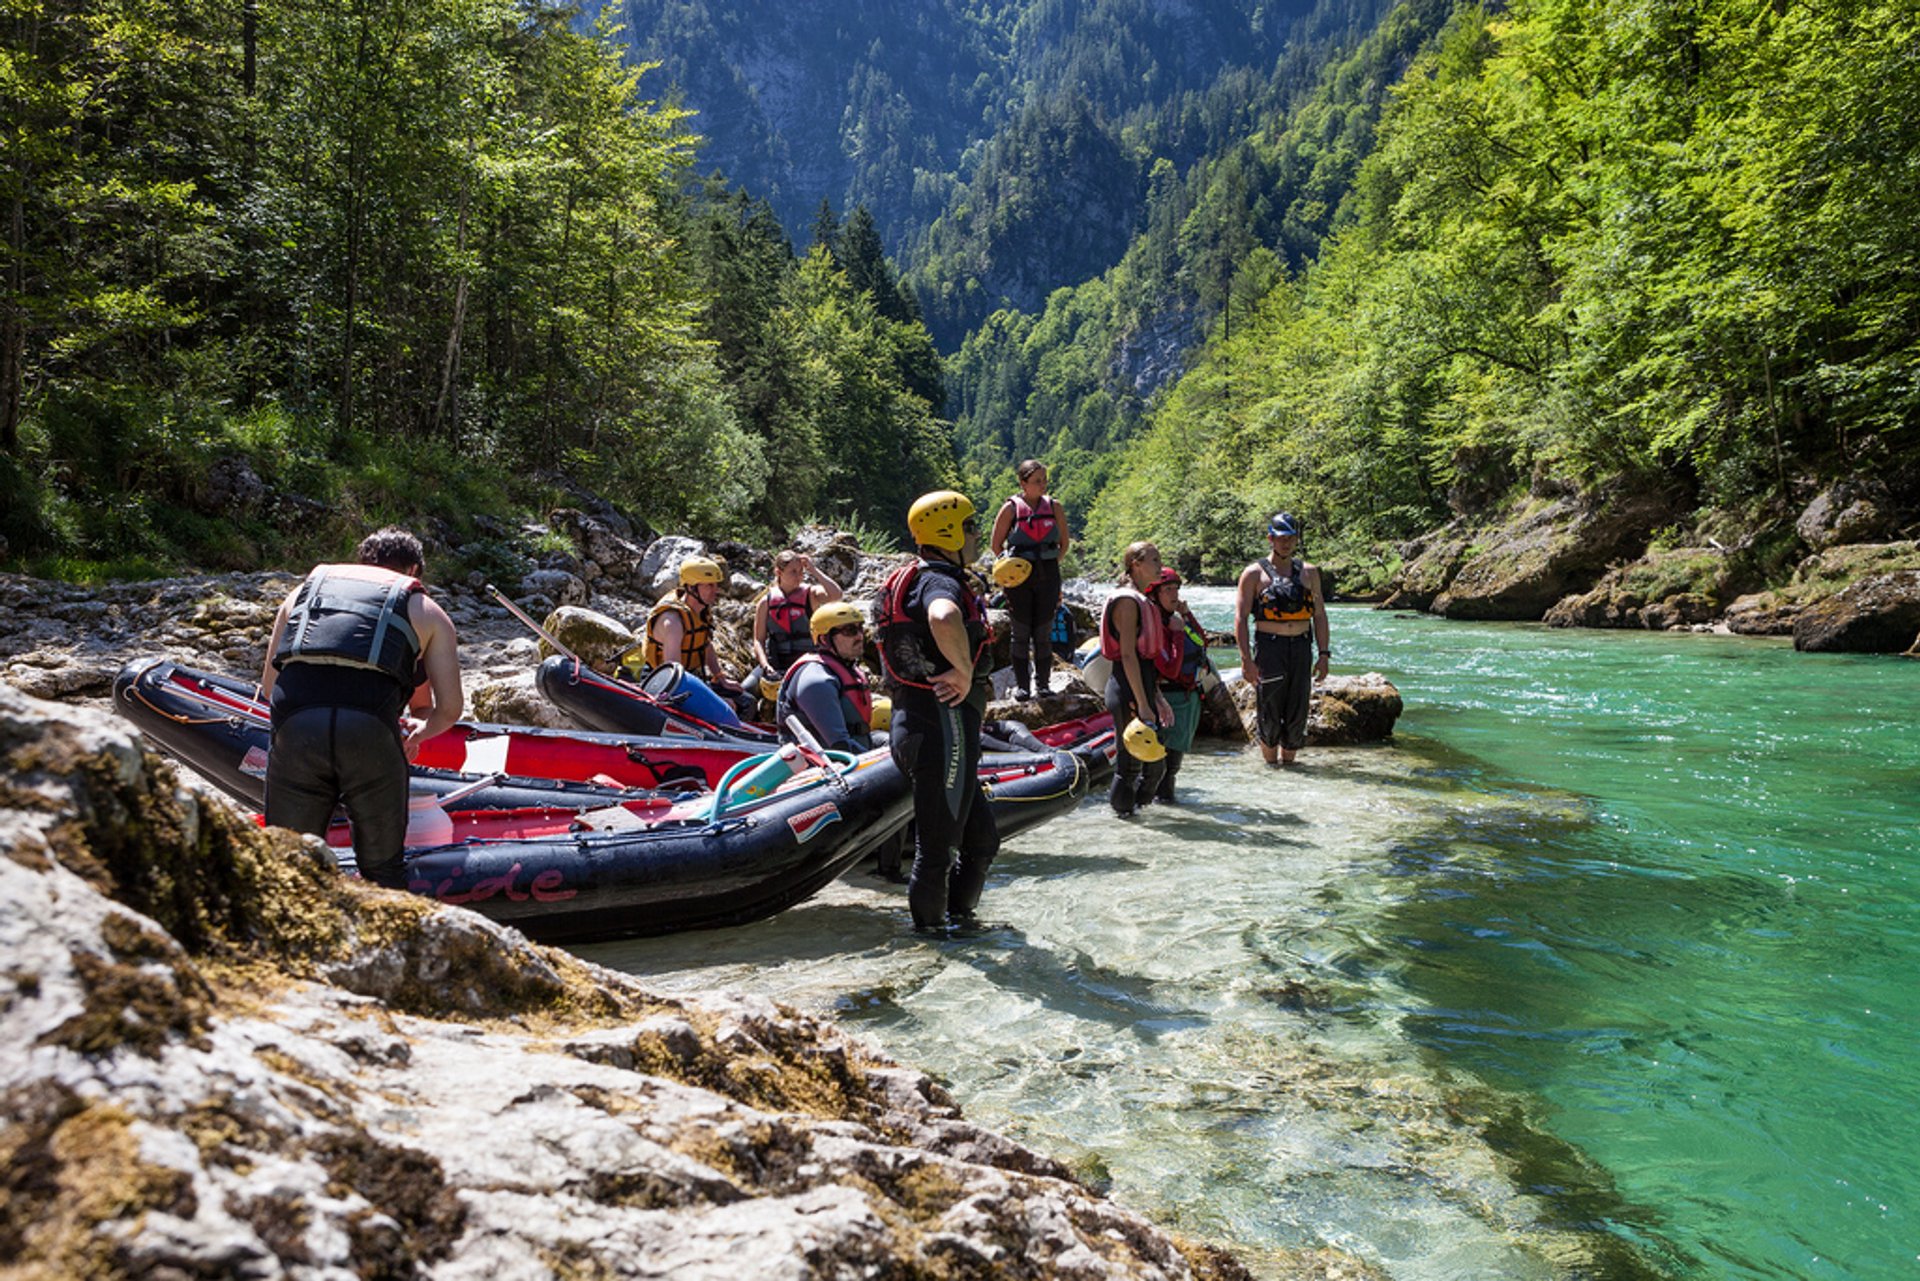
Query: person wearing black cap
(1280, 596)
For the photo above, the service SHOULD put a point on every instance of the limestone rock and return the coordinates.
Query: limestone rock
(1547, 550)
(602, 539)
(515, 700)
(660, 567)
(1672, 587)
(1850, 511)
(1065, 703)
(1353, 709)
(596, 638)
(555, 585)
(1761, 614)
(1428, 568)
(226, 1059)
(835, 553)
(1875, 615)
(1344, 711)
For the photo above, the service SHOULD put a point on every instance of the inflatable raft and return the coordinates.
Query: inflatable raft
(568, 860)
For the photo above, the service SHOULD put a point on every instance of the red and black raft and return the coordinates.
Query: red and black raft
(612, 705)
(569, 860)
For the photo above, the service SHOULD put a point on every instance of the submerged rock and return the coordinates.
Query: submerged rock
(220, 1057)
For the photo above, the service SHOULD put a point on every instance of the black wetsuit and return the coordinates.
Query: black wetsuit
(337, 741)
(938, 747)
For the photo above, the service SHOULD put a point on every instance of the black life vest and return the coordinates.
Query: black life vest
(696, 635)
(788, 620)
(353, 616)
(1283, 600)
(908, 653)
(1035, 532)
(856, 696)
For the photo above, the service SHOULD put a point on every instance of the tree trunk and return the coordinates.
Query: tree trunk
(446, 408)
(13, 331)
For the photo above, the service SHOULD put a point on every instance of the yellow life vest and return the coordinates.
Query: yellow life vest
(697, 635)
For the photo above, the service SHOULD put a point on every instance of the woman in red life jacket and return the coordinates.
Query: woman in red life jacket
(1133, 640)
(1032, 526)
(347, 648)
(1183, 662)
(781, 632)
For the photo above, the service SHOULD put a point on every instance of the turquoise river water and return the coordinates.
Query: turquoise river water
(1606, 967)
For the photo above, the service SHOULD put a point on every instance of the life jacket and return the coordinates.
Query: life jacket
(353, 616)
(1062, 626)
(697, 636)
(908, 653)
(788, 617)
(856, 695)
(1283, 600)
(1035, 533)
(1150, 644)
(1185, 653)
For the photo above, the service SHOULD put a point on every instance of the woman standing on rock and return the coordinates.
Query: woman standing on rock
(781, 628)
(1280, 595)
(1032, 526)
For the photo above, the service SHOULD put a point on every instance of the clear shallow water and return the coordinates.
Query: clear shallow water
(1605, 968)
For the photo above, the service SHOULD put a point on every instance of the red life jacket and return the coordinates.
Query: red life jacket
(1186, 650)
(1150, 644)
(855, 691)
(788, 636)
(1035, 532)
(908, 653)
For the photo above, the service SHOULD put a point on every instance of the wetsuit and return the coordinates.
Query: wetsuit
(1034, 536)
(1285, 662)
(1134, 780)
(938, 747)
(347, 663)
(832, 699)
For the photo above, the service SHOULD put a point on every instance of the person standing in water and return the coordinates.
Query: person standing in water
(1280, 597)
(1183, 662)
(1132, 639)
(933, 637)
(346, 653)
(1032, 526)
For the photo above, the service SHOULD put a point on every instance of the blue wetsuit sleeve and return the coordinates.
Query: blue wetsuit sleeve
(817, 698)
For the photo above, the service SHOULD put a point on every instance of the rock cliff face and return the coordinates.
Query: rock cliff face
(220, 1058)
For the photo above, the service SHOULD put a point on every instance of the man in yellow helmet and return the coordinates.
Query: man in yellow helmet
(933, 637)
(680, 629)
(826, 687)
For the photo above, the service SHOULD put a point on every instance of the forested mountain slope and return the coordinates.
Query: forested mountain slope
(1003, 150)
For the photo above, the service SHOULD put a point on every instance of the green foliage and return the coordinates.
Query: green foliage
(1587, 239)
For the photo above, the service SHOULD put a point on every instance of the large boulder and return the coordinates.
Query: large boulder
(1849, 511)
(595, 638)
(1761, 614)
(605, 550)
(835, 552)
(1550, 548)
(515, 700)
(222, 1058)
(1673, 587)
(1344, 711)
(1428, 566)
(660, 567)
(1875, 615)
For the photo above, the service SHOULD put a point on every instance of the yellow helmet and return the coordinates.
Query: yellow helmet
(1011, 571)
(698, 569)
(881, 717)
(934, 520)
(1143, 742)
(770, 688)
(834, 614)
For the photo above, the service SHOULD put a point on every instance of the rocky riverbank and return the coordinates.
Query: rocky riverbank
(65, 641)
(1839, 574)
(221, 1058)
